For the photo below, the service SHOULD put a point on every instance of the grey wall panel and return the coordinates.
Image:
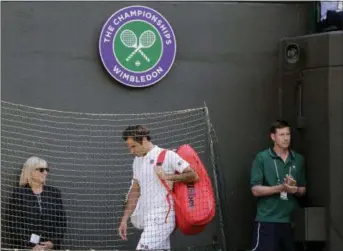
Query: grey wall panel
(335, 115)
(336, 48)
(320, 73)
(316, 50)
(315, 103)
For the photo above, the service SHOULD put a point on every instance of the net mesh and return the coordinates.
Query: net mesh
(89, 163)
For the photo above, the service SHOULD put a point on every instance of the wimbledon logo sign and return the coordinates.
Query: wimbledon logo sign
(137, 46)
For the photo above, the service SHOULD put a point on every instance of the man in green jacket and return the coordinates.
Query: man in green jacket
(277, 177)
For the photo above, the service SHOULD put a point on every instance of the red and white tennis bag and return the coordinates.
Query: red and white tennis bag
(194, 203)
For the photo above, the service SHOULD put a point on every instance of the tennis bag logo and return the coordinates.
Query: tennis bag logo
(137, 46)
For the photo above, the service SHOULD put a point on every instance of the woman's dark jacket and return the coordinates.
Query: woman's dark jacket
(30, 214)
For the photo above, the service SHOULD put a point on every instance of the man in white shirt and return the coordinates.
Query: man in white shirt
(158, 222)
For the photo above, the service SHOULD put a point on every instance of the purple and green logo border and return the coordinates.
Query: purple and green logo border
(137, 46)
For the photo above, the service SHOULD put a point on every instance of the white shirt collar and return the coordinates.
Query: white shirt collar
(152, 151)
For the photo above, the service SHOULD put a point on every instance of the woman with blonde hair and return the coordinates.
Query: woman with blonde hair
(37, 218)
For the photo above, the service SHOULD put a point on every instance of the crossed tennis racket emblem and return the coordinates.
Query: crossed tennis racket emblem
(146, 40)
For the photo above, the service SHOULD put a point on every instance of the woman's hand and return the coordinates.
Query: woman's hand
(47, 244)
(38, 248)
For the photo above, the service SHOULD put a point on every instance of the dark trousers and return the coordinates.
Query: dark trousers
(270, 236)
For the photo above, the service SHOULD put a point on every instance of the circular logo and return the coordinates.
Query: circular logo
(137, 46)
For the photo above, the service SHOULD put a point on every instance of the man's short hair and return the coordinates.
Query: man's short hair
(137, 133)
(278, 124)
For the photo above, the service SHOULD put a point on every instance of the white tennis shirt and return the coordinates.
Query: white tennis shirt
(153, 193)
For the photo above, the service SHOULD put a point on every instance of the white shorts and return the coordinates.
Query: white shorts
(156, 233)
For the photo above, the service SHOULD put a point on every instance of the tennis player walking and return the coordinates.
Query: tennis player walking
(158, 224)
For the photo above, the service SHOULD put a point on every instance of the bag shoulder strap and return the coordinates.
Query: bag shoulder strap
(161, 157)
(160, 160)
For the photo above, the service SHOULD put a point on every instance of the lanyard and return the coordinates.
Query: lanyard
(39, 199)
(277, 172)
